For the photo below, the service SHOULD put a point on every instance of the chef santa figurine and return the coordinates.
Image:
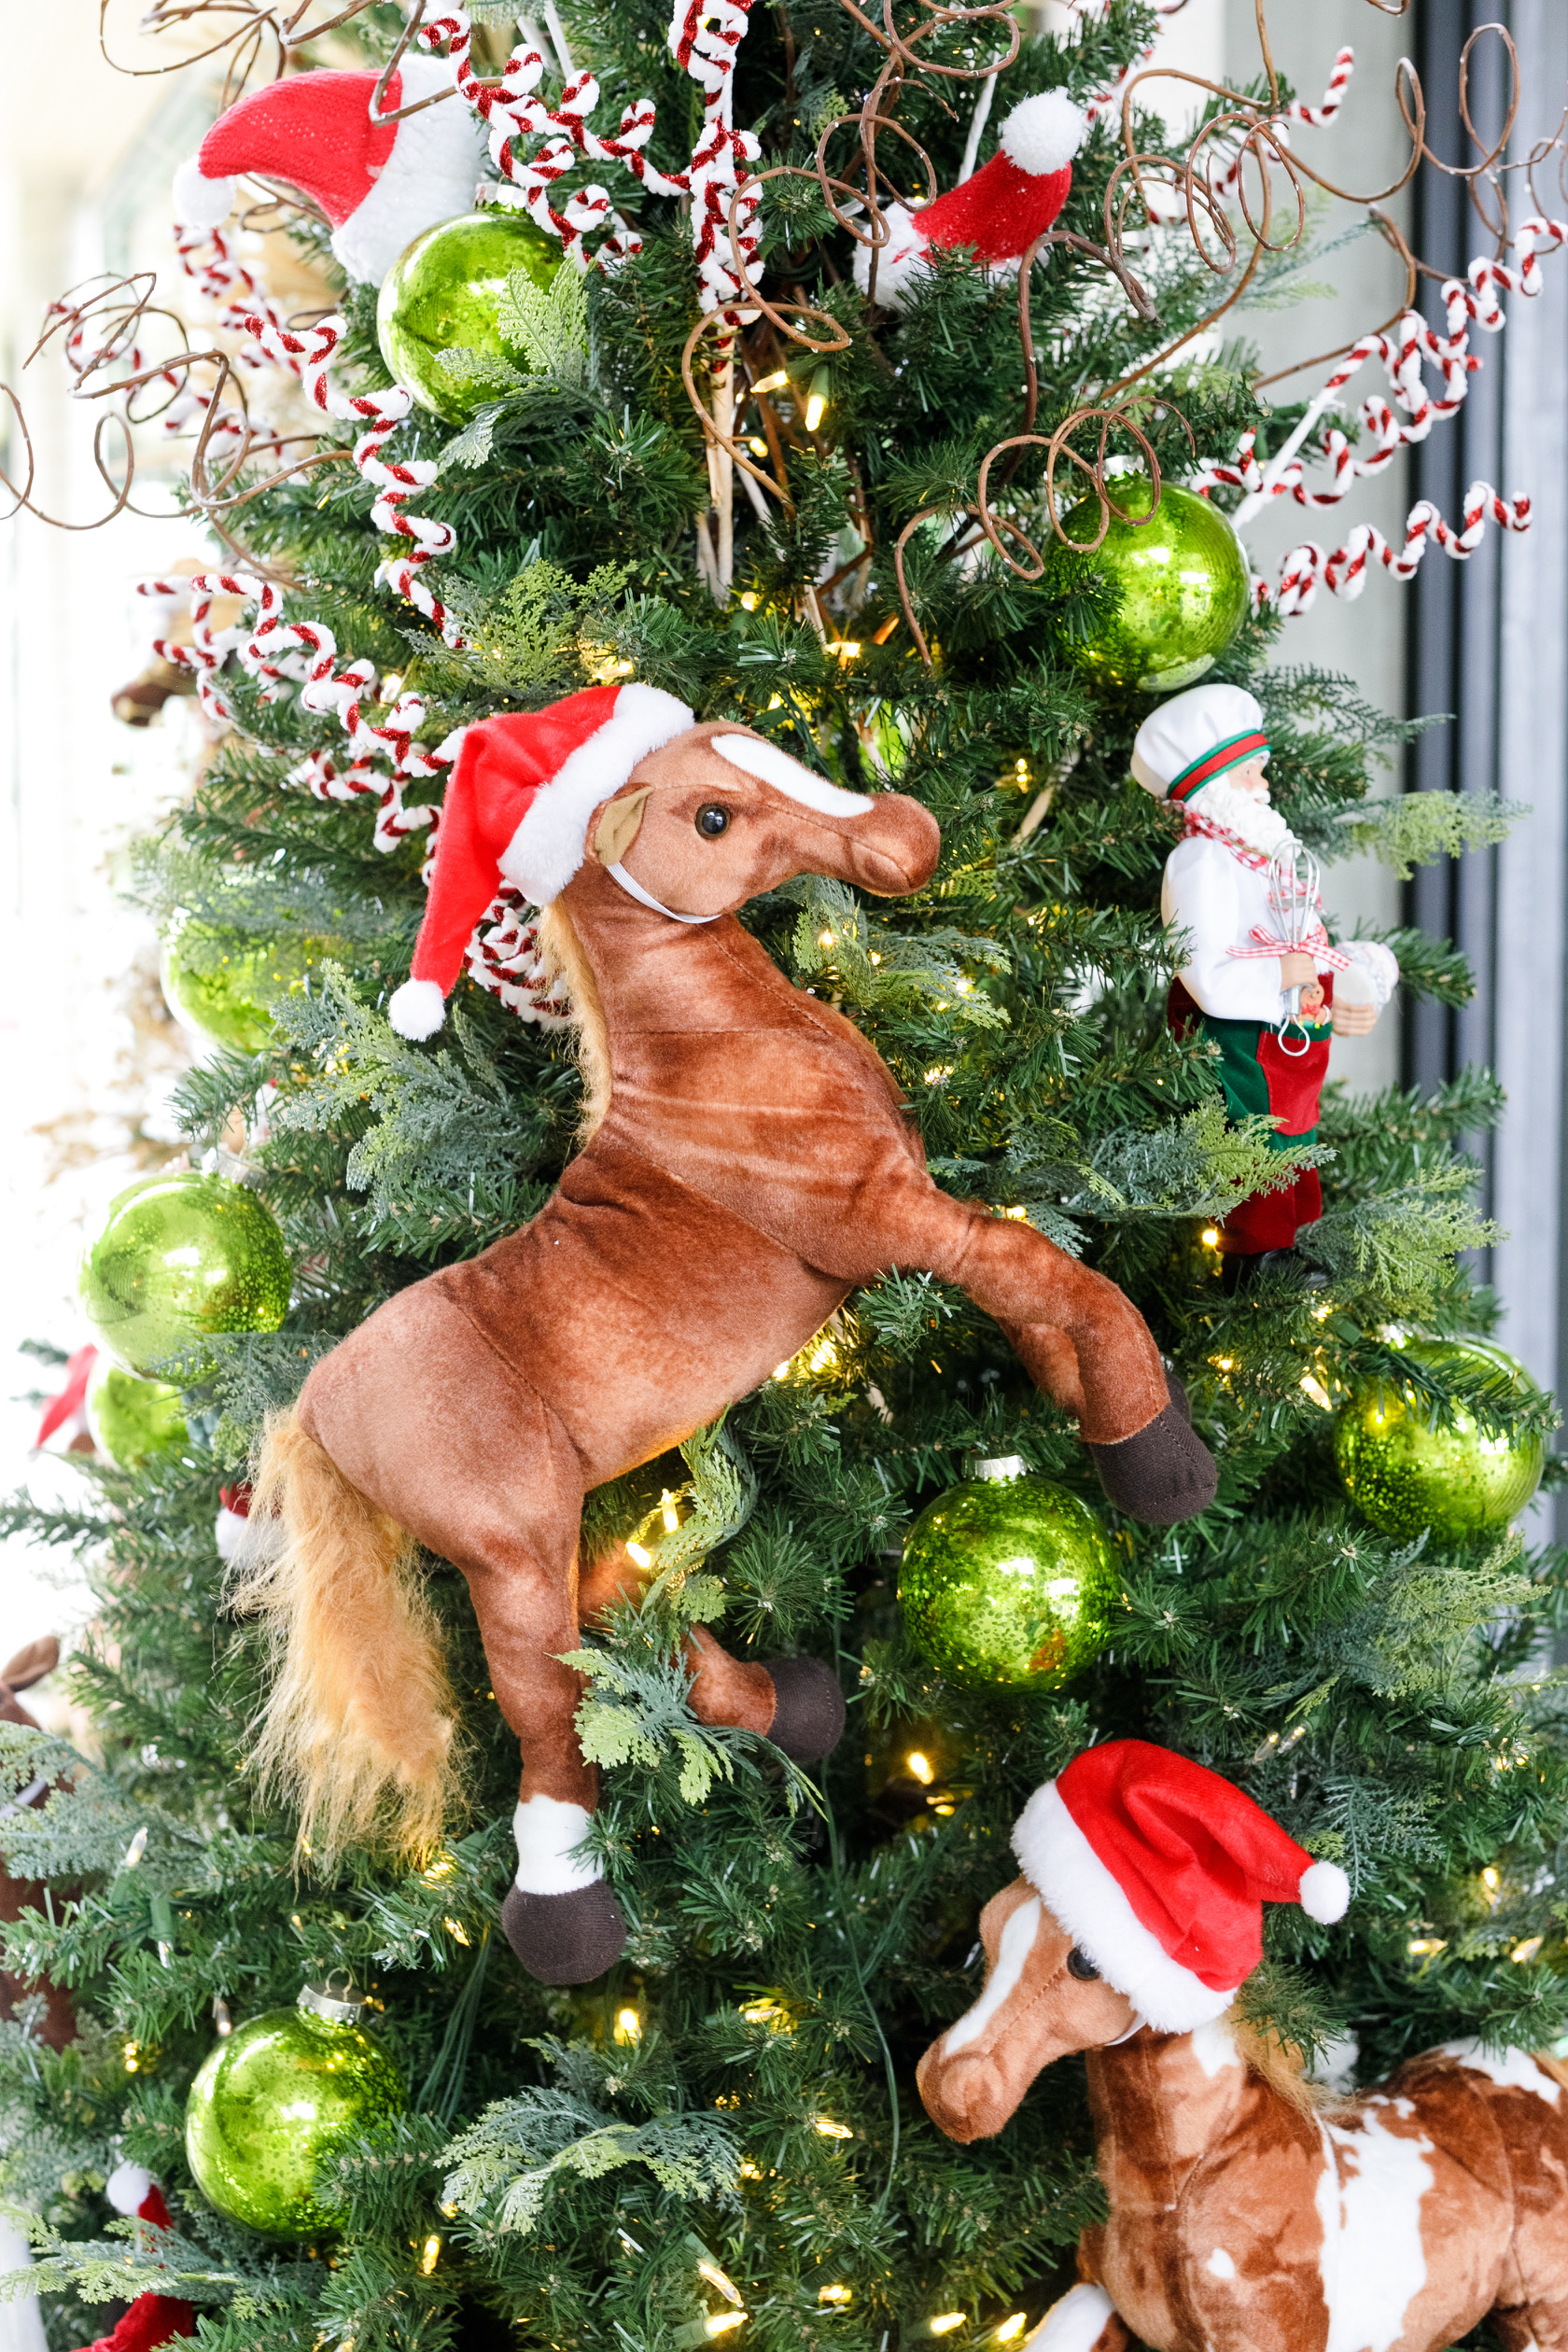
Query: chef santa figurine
(1262, 979)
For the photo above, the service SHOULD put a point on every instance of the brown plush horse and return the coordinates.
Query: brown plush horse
(746, 1163)
(1249, 2211)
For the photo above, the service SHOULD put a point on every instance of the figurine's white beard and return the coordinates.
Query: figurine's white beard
(1250, 819)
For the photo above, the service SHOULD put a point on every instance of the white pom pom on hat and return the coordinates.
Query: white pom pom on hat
(1325, 1892)
(201, 203)
(1043, 133)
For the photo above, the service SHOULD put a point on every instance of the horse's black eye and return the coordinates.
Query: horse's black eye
(712, 821)
(1081, 1966)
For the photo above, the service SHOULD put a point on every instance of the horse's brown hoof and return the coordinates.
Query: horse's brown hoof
(808, 1722)
(1165, 1474)
(566, 1938)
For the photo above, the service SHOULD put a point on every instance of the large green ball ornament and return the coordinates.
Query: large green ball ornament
(1008, 1582)
(180, 1257)
(1181, 580)
(443, 293)
(1404, 1474)
(132, 1419)
(275, 2098)
(221, 982)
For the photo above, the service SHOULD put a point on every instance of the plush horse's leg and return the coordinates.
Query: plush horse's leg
(479, 1469)
(793, 1701)
(1079, 1337)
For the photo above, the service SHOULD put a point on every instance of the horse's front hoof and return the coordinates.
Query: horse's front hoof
(1165, 1474)
(808, 1720)
(566, 1938)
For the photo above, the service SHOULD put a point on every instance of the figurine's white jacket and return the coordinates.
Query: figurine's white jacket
(1216, 899)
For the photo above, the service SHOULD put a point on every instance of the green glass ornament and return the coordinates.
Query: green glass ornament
(1182, 583)
(180, 1256)
(1008, 1581)
(1404, 1473)
(443, 293)
(132, 1419)
(275, 2098)
(221, 982)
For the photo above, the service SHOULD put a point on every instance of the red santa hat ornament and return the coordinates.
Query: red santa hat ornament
(152, 2320)
(1195, 737)
(378, 183)
(517, 813)
(1000, 212)
(1159, 1870)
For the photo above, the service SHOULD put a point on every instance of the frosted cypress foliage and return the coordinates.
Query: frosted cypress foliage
(723, 2138)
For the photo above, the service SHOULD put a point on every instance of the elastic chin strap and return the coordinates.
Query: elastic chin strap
(634, 889)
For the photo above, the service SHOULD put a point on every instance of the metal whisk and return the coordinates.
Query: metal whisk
(1292, 904)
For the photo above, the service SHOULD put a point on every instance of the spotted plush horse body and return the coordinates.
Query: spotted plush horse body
(1248, 2214)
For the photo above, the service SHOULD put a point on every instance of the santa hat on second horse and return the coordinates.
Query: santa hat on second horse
(379, 182)
(1159, 1870)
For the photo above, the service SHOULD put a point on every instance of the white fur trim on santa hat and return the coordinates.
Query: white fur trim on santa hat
(1185, 728)
(776, 767)
(1060, 1863)
(128, 2187)
(1325, 1892)
(431, 175)
(899, 262)
(201, 203)
(417, 1009)
(229, 1530)
(549, 845)
(1044, 132)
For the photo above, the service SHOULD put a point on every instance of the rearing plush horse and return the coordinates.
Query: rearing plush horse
(1247, 2213)
(746, 1164)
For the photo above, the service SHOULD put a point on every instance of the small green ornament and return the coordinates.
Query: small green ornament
(275, 2098)
(221, 982)
(1008, 1581)
(181, 1256)
(1404, 1473)
(1182, 581)
(443, 293)
(132, 1419)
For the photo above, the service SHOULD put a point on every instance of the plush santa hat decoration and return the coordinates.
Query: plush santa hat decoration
(1159, 1870)
(999, 212)
(516, 812)
(378, 183)
(1197, 738)
(152, 2320)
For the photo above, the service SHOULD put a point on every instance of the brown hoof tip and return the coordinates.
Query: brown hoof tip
(1163, 1475)
(566, 1938)
(808, 1721)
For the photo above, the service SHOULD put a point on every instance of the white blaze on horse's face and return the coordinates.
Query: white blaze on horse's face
(1033, 2009)
(725, 815)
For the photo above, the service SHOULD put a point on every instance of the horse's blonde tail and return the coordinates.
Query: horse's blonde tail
(357, 1729)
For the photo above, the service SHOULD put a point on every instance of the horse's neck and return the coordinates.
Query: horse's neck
(1161, 2103)
(651, 974)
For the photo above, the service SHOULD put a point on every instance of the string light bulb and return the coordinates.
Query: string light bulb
(772, 383)
(428, 2259)
(830, 2130)
(921, 1767)
(1012, 2327)
(817, 398)
(945, 2321)
(839, 2296)
(628, 2027)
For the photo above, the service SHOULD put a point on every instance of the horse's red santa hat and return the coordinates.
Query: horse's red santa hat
(1159, 1870)
(517, 813)
(1000, 212)
(378, 183)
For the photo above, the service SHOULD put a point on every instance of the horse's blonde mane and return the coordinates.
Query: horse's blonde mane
(562, 951)
(1282, 2065)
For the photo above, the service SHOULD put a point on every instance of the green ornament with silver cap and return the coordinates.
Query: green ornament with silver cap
(275, 2098)
(1179, 578)
(1008, 1580)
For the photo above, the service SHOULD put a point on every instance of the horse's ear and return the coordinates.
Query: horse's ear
(619, 827)
(29, 1665)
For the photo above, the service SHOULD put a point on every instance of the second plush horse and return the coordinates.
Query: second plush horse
(746, 1163)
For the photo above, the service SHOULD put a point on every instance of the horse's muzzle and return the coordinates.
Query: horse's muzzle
(895, 847)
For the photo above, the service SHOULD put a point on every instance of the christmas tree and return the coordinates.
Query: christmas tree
(722, 428)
